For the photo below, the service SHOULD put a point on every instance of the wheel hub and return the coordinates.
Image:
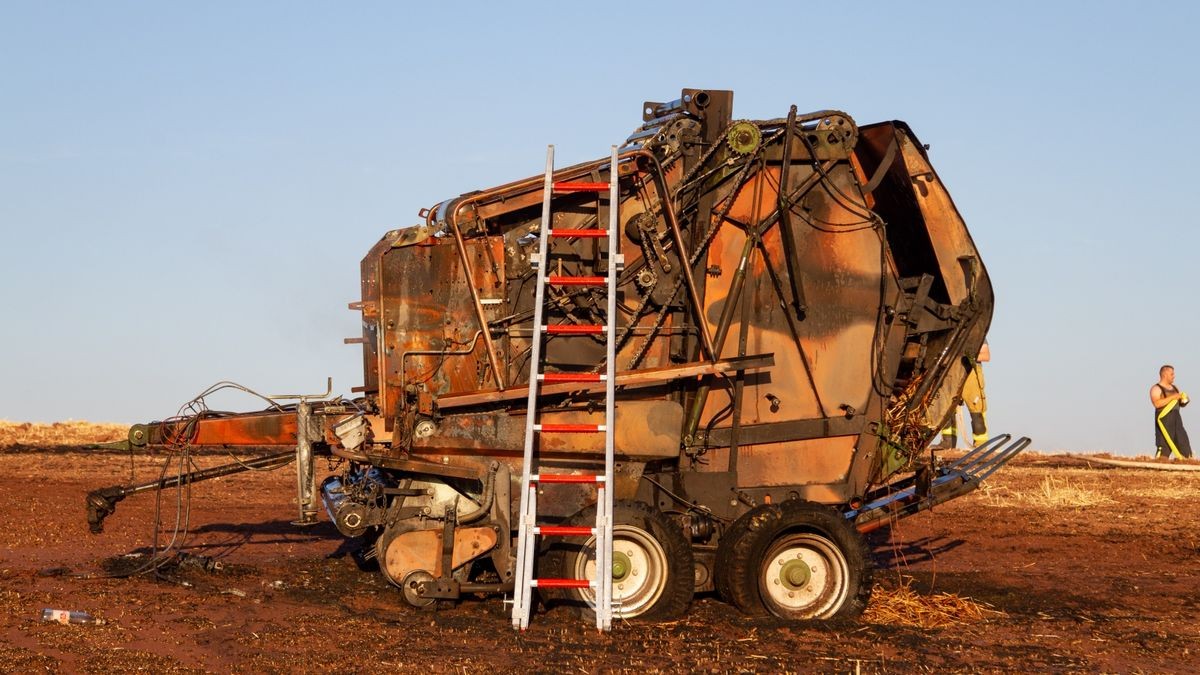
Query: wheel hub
(621, 566)
(795, 574)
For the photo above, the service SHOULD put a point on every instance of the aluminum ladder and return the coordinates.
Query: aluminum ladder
(529, 530)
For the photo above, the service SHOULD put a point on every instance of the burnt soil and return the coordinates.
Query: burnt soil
(1110, 587)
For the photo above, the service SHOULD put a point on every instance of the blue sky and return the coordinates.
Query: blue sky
(186, 191)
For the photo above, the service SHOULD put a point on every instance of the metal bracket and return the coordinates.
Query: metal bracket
(305, 397)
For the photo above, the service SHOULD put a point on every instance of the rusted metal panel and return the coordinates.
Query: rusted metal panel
(429, 320)
(644, 430)
(265, 429)
(947, 233)
(644, 377)
(818, 461)
(840, 257)
(420, 550)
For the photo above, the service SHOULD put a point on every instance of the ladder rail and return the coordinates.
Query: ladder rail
(604, 496)
(523, 590)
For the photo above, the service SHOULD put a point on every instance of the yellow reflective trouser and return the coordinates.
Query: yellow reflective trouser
(973, 395)
(975, 398)
(978, 428)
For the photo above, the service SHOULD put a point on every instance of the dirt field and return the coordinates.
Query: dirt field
(1112, 586)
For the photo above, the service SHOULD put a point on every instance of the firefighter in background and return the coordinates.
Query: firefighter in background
(1170, 437)
(975, 398)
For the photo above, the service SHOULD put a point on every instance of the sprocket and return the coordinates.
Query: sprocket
(743, 137)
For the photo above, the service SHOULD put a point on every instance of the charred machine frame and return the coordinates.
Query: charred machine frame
(800, 306)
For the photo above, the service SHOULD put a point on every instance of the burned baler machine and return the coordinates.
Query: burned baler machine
(799, 308)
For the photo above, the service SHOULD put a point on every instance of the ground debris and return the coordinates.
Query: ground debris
(972, 587)
(903, 606)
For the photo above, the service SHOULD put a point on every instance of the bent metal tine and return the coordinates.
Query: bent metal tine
(1005, 456)
(983, 455)
(987, 446)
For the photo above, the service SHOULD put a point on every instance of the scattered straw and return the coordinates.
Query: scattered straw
(902, 606)
(1052, 493)
(1169, 493)
(1057, 493)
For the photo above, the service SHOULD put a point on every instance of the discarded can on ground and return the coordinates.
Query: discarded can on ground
(67, 616)
(201, 562)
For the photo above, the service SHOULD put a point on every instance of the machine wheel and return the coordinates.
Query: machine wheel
(409, 588)
(795, 560)
(408, 579)
(652, 564)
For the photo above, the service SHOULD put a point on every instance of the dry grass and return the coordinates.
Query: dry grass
(1169, 493)
(902, 606)
(1054, 492)
(28, 434)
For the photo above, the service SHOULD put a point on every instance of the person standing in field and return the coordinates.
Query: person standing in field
(975, 398)
(1170, 438)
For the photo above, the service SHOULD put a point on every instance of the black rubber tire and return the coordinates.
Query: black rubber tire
(746, 544)
(561, 558)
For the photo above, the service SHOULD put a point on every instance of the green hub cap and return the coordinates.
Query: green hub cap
(621, 566)
(795, 574)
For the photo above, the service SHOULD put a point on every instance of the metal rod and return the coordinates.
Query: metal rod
(483, 323)
(306, 488)
(436, 352)
(739, 388)
(799, 302)
(664, 109)
(731, 304)
(206, 474)
(102, 502)
(664, 196)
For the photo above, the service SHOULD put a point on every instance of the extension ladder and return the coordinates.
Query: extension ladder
(528, 528)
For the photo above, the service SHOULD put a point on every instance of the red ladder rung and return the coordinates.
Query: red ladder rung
(569, 428)
(572, 377)
(574, 329)
(576, 281)
(561, 583)
(567, 478)
(579, 234)
(564, 530)
(580, 186)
